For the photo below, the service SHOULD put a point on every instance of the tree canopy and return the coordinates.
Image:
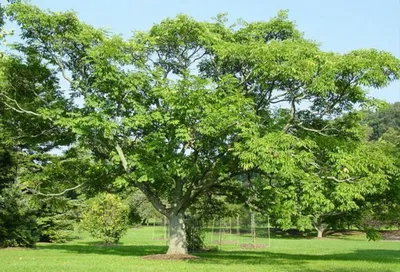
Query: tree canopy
(188, 107)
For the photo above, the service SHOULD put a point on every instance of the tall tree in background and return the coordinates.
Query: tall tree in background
(385, 130)
(342, 179)
(189, 106)
(26, 88)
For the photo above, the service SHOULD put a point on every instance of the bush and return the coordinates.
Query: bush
(106, 218)
(195, 233)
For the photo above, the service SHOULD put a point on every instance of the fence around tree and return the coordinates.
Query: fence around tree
(229, 233)
(240, 232)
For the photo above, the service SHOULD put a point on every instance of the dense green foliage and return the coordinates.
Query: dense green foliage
(384, 210)
(106, 217)
(56, 218)
(27, 86)
(385, 123)
(18, 226)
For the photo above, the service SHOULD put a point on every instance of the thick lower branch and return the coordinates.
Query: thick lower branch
(152, 198)
(192, 193)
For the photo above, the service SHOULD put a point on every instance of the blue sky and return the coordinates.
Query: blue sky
(339, 25)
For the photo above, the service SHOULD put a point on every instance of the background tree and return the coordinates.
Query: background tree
(384, 123)
(26, 138)
(17, 218)
(329, 190)
(188, 106)
(385, 130)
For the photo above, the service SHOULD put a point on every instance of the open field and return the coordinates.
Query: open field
(353, 253)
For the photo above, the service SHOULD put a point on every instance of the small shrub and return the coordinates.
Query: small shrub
(106, 218)
(194, 233)
(373, 234)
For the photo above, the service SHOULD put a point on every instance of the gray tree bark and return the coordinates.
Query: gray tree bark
(177, 238)
(320, 230)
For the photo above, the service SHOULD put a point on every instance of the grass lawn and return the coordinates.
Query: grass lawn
(331, 254)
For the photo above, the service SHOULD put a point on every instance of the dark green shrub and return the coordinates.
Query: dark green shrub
(17, 219)
(56, 218)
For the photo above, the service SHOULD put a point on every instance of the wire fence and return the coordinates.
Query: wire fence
(253, 232)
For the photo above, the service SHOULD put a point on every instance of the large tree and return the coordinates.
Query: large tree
(189, 106)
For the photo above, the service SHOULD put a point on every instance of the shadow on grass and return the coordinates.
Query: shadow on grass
(233, 257)
(96, 248)
(257, 257)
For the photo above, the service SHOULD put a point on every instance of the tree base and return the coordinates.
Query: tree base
(170, 257)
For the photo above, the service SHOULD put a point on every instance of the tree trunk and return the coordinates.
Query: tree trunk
(320, 226)
(177, 238)
(320, 230)
(320, 233)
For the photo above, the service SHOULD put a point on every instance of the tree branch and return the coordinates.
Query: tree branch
(319, 131)
(57, 194)
(192, 193)
(348, 180)
(19, 109)
(293, 115)
(152, 198)
(124, 162)
(142, 185)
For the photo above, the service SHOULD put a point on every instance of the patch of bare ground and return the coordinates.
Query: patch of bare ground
(225, 242)
(343, 233)
(252, 246)
(17, 248)
(391, 235)
(105, 245)
(170, 257)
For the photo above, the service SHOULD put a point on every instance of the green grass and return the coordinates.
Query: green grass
(85, 254)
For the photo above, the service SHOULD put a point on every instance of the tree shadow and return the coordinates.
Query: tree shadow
(262, 257)
(97, 248)
(232, 257)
